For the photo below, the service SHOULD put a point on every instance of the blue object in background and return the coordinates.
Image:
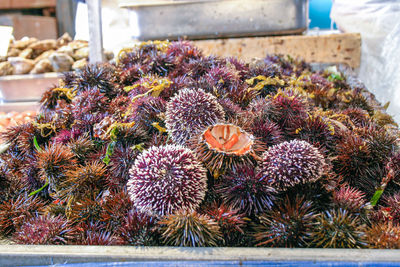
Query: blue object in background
(319, 14)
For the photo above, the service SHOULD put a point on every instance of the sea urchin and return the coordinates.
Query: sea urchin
(166, 179)
(189, 112)
(290, 163)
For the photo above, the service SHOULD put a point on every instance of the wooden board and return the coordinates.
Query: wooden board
(331, 48)
(22, 4)
(5, 4)
(32, 26)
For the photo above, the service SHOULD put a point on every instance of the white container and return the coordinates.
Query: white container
(29, 87)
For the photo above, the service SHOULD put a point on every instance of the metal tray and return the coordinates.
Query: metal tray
(201, 19)
(22, 255)
(29, 87)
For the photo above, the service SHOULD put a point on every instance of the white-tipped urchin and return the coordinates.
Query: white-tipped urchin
(290, 163)
(166, 179)
(189, 112)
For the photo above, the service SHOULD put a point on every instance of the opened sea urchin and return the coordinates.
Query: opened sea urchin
(225, 146)
(166, 179)
(290, 163)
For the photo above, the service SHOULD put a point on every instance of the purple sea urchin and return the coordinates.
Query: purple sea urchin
(166, 179)
(189, 229)
(290, 163)
(189, 112)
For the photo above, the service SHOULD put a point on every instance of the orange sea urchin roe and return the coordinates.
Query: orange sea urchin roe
(228, 138)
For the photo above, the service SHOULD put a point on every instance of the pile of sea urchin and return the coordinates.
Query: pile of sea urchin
(171, 147)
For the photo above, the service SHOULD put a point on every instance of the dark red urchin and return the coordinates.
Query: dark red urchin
(381, 143)
(240, 66)
(261, 112)
(357, 116)
(82, 147)
(288, 225)
(68, 79)
(148, 112)
(352, 163)
(195, 68)
(288, 65)
(393, 167)
(121, 161)
(290, 163)
(189, 229)
(183, 51)
(82, 179)
(8, 182)
(319, 132)
(225, 82)
(137, 229)
(189, 112)
(390, 209)
(21, 138)
(62, 137)
(115, 208)
(118, 106)
(15, 211)
(263, 108)
(347, 197)
(94, 234)
(12, 163)
(45, 230)
(383, 235)
(355, 99)
(89, 108)
(230, 221)
(289, 110)
(131, 73)
(85, 210)
(53, 163)
(52, 96)
(166, 179)
(243, 188)
(233, 111)
(98, 77)
(266, 131)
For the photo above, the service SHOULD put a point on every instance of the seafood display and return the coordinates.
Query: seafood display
(30, 55)
(167, 146)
